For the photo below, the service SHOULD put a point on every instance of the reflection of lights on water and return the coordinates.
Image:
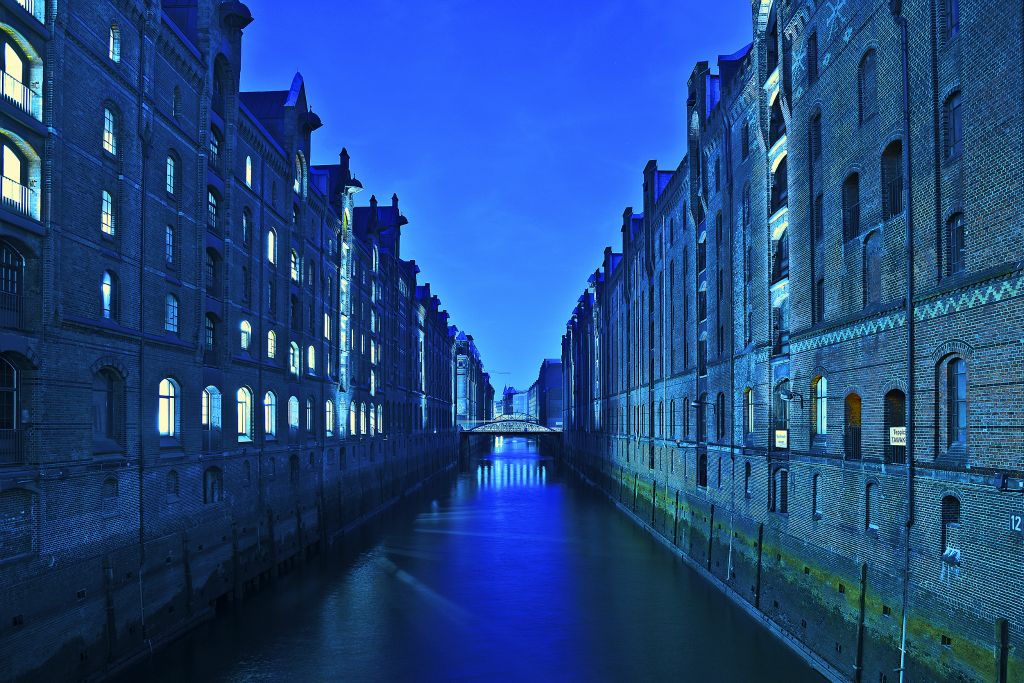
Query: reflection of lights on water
(511, 473)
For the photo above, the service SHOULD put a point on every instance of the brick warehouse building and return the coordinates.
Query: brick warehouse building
(212, 362)
(745, 362)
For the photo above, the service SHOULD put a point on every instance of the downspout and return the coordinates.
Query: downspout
(896, 7)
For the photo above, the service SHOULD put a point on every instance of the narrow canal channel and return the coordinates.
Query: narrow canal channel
(516, 572)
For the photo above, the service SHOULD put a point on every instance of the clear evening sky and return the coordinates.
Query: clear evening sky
(515, 133)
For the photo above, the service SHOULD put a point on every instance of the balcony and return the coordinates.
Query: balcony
(19, 198)
(12, 446)
(21, 95)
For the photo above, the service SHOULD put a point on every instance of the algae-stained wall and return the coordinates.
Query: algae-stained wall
(749, 337)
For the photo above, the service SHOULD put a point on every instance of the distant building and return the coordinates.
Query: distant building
(514, 401)
(474, 394)
(544, 397)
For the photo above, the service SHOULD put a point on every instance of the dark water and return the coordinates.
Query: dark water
(514, 574)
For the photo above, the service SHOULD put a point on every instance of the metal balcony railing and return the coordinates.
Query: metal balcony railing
(18, 197)
(12, 447)
(35, 8)
(894, 197)
(18, 93)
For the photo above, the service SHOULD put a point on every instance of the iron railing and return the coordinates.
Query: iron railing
(852, 443)
(12, 446)
(18, 93)
(18, 197)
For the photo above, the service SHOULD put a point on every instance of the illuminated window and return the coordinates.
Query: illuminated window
(748, 411)
(272, 247)
(248, 171)
(352, 419)
(270, 414)
(107, 225)
(171, 313)
(167, 412)
(373, 420)
(294, 266)
(294, 359)
(820, 407)
(211, 210)
(108, 295)
(271, 344)
(114, 44)
(169, 245)
(310, 359)
(109, 132)
(244, 407)
(362, 418)
(172, 175)
(293, 414)
(309, 415)
(211, 409)
(329, 417)
(246, 334)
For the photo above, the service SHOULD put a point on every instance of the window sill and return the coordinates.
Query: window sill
(170, 442)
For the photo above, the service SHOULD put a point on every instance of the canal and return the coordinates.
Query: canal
(513, 572)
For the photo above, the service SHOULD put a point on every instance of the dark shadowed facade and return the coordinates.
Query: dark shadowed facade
(211, 362)
(741, 372)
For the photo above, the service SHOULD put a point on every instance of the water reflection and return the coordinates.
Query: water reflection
(515, 573)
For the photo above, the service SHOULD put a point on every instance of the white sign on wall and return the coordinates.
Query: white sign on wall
(897, 436)
(782, 438)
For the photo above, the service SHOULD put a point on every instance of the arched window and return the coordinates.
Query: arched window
(211, 413)
(851, 206)
(15, 192)
(294, 359)
(748, 411)
(892, 180)
(362, 418)
(297, 185)
(246, 226)
(672, 434)
(270, 414)
(895, 419)
(213, 485)
(380, 419)
(780, 491)
(952, 126)
(294, 266)
(244, 414)
(107, 217)
(108, 295)
(215, 144)
(852, 413)
(871, 509)
(309, 415)
(783, 395)
(686, 417)
(171, 177)
(210, 332)
(114, 44)
(873, 269)
(271, 247)
(109, 131)
(246, 334)
(169, 245)
(271, 344)
(956, 402)
(212, 202)
(14, 80)
(248, 171)
(329, 417)
(106, 413)
(167, 409)
(171, 313)
(310, 359)
(777, 123)
(950, 526)
(955, 244)
(819, 407)
(293, 414)
(352, 427)
(867, 86)
(172, 485)
(373, 420)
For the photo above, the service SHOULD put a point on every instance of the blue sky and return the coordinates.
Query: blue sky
(515, 134)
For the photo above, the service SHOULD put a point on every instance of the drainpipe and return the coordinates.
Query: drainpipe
(732, 342)
(896, 8)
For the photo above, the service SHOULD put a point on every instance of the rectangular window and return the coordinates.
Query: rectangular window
(107, 214)
(954, 127)
(109, 132)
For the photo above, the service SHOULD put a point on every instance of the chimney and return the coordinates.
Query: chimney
(373, 201)
(394, 201)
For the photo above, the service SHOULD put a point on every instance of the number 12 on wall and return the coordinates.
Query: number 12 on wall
(1016, 523)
